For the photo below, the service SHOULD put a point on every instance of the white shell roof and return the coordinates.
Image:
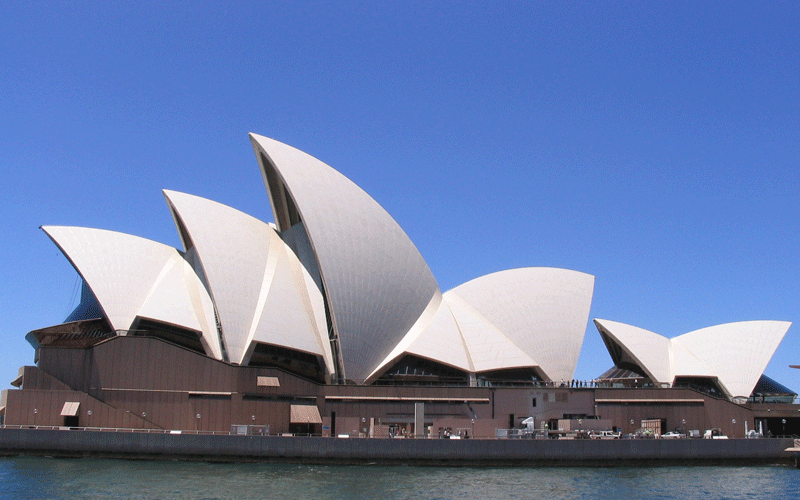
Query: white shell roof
(542, 311)
(433, 336)
(442, 341)
(375, 279)
(648, 350)
(735, 353)
(488, 347)
(336, 248)
(690, 365)
(132, 276)
(260, 289)
(530, 317)
(738, 353)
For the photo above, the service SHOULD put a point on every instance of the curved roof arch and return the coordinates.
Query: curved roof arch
(435, 336)
(542, 311)
(375, 281)
(260, 289)
(736, 354)
(519, 318)
(133, 277)
(649, 351)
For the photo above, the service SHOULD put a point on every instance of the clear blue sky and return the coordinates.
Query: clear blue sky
(655, 145)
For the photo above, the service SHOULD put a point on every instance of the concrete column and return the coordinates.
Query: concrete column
(419, 420)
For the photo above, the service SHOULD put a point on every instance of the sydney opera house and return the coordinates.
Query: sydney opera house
(329, 322)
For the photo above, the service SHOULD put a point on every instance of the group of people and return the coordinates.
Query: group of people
(447, 433)
(570, 383)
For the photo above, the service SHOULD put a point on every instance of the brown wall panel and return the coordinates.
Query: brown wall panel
(32, 407)
(17, 408)
(203, 376)
(162, 412)
(186, 414)
(147, 369)
(120, 364)
(170, 372)
(94, 375)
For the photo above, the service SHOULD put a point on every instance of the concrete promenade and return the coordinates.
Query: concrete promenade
(88, 443)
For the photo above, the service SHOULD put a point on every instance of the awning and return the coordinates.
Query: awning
(305, 414)
(268, 382)
(70, 409)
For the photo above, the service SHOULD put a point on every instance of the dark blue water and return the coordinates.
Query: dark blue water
(44, 478)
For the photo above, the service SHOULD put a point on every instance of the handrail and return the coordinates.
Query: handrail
(500, 434)
(121, 429)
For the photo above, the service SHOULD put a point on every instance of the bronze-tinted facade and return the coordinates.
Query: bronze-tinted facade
(130, 382)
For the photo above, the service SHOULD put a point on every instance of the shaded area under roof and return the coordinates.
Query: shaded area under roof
(766, 385)
(76, 334)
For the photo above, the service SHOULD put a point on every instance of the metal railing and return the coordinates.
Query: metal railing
(500, 434)
(120, 429)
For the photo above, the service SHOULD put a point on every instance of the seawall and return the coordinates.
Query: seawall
(232, 448)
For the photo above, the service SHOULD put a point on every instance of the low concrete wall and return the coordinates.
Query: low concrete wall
(394, 451)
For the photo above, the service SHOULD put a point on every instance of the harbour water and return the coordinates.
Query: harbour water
(48, 478)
